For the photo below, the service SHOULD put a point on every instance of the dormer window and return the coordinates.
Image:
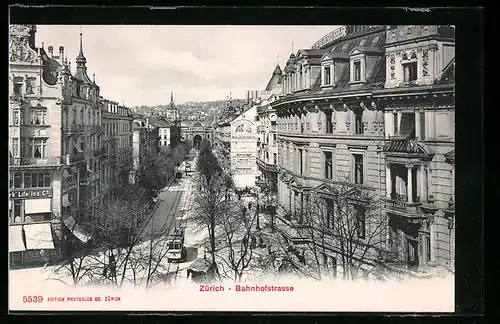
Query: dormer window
(410, 71)
(357, 71)
(327, 77)
(409, 67)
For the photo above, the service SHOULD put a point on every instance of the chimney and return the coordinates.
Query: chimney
(61, 54)
(51, 51)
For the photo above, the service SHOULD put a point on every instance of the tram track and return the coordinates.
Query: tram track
(173, 267)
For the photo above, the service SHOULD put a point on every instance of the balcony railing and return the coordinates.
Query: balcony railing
(267, 166)
(44, 161)
(77, 128)
(401, 203)
(330, 37)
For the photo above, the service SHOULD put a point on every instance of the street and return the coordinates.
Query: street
(172, 202)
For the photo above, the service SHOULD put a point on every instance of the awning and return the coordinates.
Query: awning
(77, 231)
(65, 200)
(38, 236)
(35, 206)
(16, 242)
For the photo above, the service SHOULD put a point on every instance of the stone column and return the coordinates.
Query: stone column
(423, 184)
(409, 187)
(388, 181)
(399, 118)
(417, 124)
(453, 182)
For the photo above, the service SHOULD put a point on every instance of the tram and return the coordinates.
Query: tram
(176, 250)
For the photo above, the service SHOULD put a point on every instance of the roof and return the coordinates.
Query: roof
(200, 265)
(368, 49)
(374, 80)
(276, 79)
(450, 156)
(50, 68)
(448, 75)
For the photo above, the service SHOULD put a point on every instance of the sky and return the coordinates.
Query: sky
(141, 65)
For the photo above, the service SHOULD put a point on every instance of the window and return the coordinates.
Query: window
(37, 147)
(17, 208)
(327, 76)
(357, 71)
(18, 85)
(18, 178)
(74, 116)
(410, 71)
(15, 147)
(358, 118)
(328, 165)
(360, 222)
(301, 161)
(82, 122)
(330, 213)
(358, 168)
(16, 117)
(38, 117)
(329, 123)
(274, 138)
(275, 158)
(37, 180)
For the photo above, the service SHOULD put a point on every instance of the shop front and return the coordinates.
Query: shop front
(31, 239)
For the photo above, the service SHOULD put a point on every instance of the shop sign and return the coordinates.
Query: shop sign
(30, 193)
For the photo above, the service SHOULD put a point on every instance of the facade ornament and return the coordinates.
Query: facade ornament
(362, 105)
(374, 105)
(308, 126)
(345, 107)
(425, 62)
(348, 125)
(365, 127)
(392, 65)
(320, 123)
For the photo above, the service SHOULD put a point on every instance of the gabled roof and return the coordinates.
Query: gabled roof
(448, 75)
(276, 79)
(367, 50)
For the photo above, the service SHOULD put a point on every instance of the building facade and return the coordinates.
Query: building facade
(117, 141)
(267, 143)
(145, 144)
(419, 111)
(244, 148)
(363, 108)
(55, 146)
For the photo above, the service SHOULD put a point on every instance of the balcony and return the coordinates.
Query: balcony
(96, 129)
(30, 161)
(266, 166)
(77, 128)
(400, 203)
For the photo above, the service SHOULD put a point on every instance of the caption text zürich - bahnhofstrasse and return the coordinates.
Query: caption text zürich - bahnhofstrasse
(245, 288)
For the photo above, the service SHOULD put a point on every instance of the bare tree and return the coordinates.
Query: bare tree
(210, 205)
(348, 223)
(239, 240)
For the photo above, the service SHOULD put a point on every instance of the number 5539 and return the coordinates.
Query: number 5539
(32, 299)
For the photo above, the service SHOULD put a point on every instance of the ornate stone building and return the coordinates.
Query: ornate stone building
(353, 108)
(145, 143)
(419, 106)
(55, 147)
(117, 140)
(244, 148)
(267, 143)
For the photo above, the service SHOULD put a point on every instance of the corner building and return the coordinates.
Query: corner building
(55, 147)
(374, 106)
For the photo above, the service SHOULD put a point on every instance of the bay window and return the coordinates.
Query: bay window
(37, 147)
